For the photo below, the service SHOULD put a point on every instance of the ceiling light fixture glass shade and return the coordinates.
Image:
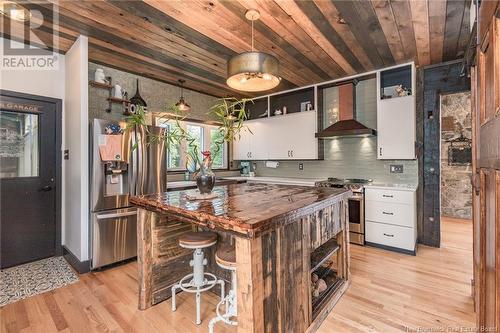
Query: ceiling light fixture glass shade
(182, 105)
(253, 71)
(14, 11)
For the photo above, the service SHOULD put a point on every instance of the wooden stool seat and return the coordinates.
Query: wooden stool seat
(198, 240)
(226, 257)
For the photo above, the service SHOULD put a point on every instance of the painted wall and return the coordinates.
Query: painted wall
(76, 182)
(456, 181)
(348, 157)
(158, 95)
(47, 83)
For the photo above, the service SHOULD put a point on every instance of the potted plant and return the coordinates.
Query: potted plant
(228, 112)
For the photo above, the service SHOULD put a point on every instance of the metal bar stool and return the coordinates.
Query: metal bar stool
(226, 258)
(198, 281)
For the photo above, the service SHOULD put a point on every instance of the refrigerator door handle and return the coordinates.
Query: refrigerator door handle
(116, 215)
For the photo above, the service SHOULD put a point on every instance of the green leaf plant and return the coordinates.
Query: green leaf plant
(228, 112)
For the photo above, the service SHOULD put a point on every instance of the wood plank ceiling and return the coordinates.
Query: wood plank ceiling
(315, 40)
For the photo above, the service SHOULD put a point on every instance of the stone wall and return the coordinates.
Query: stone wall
(456, 181)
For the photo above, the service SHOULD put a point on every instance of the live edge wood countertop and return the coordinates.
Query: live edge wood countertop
(246, 209)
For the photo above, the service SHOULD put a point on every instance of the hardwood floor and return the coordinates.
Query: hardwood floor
(389, 292)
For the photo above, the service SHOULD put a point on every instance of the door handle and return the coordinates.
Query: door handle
(386, 213)
(47, 188)
(288, 153)
(115, 215)
(388, 235)
(291, 153)
(387, 196)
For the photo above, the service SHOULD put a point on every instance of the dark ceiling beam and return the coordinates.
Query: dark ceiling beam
(402, 14)
(173, 26)
(454, 17)
(320, 21)
(93, 31)
(369, 34)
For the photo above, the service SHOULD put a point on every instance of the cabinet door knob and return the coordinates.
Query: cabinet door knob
(387, 213)
(288, 153)
(291, 153)
(380, 151)
(387, 196)
(388, 235)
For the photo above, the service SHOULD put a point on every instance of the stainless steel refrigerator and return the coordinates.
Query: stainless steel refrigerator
(142, 170)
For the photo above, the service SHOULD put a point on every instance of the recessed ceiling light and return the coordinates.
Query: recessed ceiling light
(14, 11)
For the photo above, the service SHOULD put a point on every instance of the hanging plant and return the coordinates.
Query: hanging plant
(228, 112)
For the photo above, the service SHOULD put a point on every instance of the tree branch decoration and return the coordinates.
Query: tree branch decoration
(229, 112)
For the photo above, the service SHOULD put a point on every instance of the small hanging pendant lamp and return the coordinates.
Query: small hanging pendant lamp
(182, 104)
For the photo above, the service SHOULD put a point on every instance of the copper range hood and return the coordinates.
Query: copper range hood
(347, 125)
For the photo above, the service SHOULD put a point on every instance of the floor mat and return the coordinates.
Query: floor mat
(34, 278)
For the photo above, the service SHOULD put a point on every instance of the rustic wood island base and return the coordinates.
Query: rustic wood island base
(282, 234)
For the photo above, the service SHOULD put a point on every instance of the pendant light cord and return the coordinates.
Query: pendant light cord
(252, 36)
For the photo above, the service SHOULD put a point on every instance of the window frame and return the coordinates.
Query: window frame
(165, 121)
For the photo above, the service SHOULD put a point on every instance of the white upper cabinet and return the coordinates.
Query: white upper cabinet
(252, 144)
(241, 145)
(396, 114)
(292, 136)
(283, 125)
(284, 137)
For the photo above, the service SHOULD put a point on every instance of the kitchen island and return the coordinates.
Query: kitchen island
(283, 236)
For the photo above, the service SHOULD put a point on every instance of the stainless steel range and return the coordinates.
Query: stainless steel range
(356, 205)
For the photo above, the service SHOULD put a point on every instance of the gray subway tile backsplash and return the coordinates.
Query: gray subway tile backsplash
(346, 158)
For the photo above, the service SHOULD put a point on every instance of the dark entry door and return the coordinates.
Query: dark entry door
(27, 180)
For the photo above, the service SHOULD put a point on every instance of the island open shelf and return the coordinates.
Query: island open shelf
(333, 283)
(275, 230)
(323, 253)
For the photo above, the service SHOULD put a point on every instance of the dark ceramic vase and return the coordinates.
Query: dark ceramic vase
(205, 180)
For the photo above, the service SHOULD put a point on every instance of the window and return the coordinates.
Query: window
(18, 145)
(195, 132)
(174, 153)
(206, 137)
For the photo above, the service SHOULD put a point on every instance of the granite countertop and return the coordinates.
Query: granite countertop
(278, 180)
(393, 186)
(247, 209)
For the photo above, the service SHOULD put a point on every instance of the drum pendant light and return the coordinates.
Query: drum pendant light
(182, 104)
(253, 71)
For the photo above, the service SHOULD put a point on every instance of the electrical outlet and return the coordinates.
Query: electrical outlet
(396, 168)
(301, 166)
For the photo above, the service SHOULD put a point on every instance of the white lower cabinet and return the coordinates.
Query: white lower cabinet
(285, 137)
(391, 218)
